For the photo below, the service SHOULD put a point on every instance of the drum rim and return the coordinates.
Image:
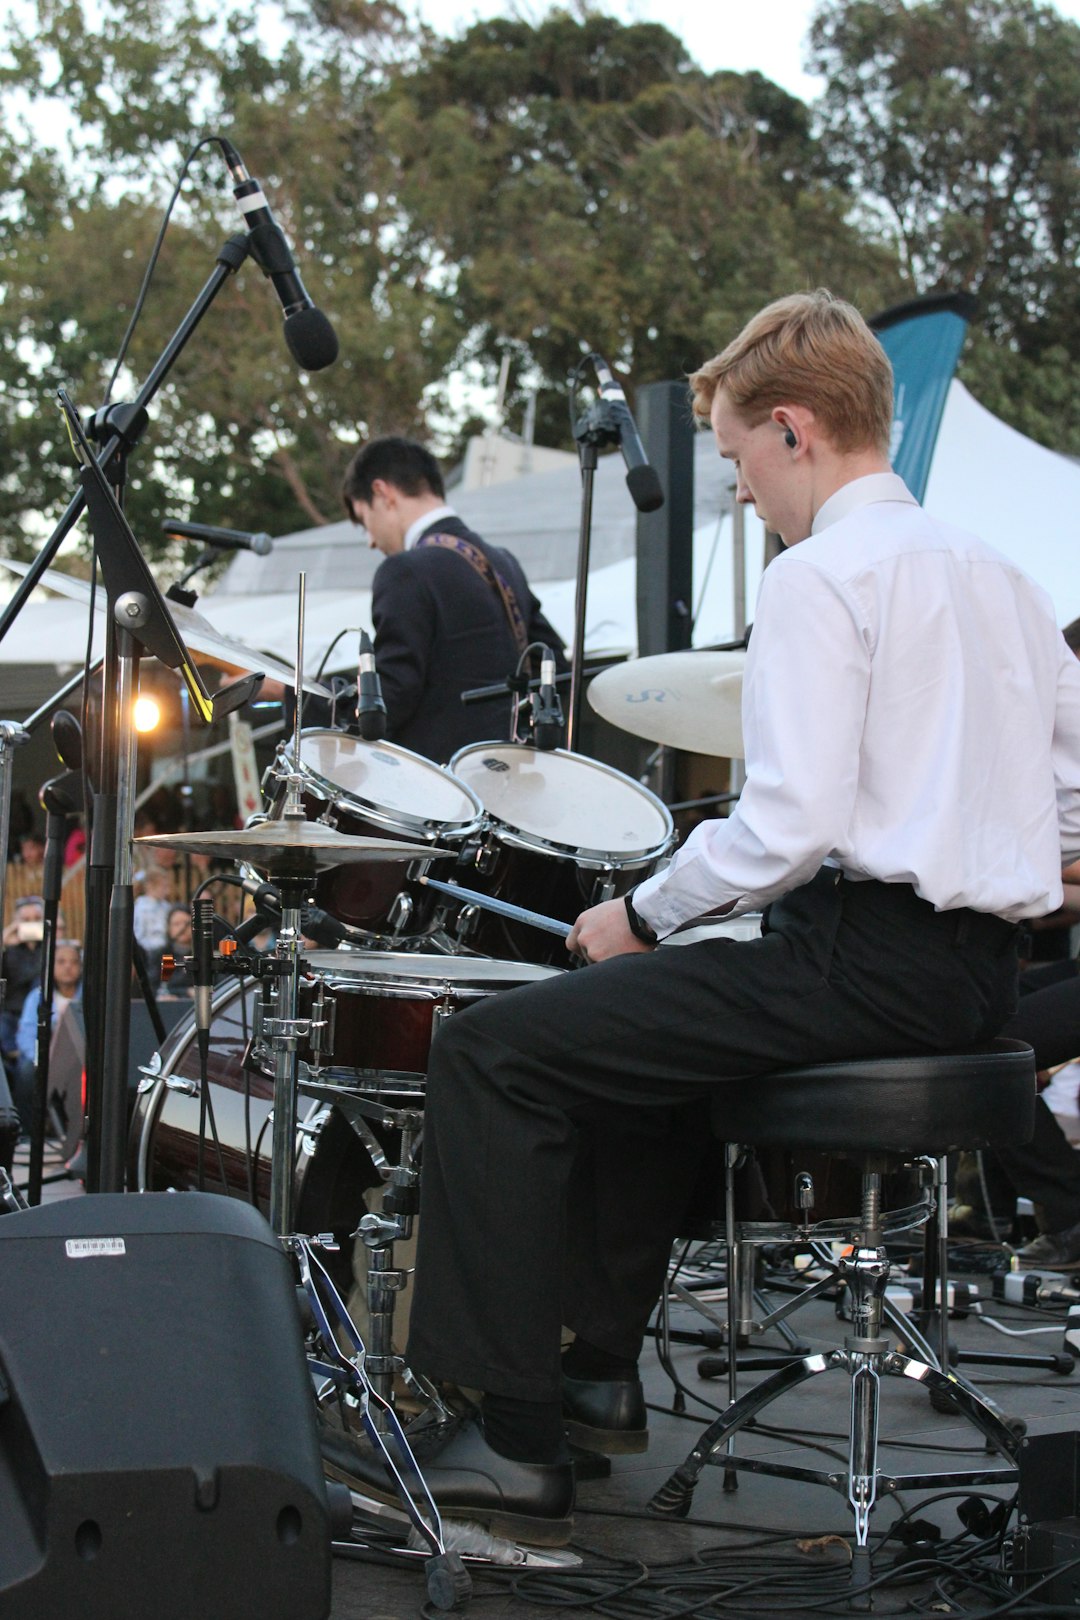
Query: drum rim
(338, 798)
(586, 855)
(535, 972)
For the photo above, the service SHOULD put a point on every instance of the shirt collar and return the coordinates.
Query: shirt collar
(867, 491)
(422, 524)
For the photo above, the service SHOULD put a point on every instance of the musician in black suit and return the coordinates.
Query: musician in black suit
(450, 612)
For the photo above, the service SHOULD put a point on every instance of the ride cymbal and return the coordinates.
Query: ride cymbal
(690, 700)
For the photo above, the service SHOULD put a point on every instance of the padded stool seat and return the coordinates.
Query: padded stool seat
(982, 1097)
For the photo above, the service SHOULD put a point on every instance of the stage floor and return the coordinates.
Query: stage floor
(774, 1546)
(788, 1539)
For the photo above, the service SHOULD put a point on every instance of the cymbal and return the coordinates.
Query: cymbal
(292, 846)
(690, 700)
(196, 631)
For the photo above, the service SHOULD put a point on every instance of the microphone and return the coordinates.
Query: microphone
(221, 539)
(370, 707)
(202, 951)
(641, 478)
(311, 339)
(547, 710)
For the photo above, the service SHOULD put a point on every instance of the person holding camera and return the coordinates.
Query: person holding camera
(20, 968)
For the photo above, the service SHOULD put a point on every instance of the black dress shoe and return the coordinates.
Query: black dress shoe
(605, 1414)
(529, 1502)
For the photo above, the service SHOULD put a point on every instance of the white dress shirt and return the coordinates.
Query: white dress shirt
(420, 525)
(911, 713)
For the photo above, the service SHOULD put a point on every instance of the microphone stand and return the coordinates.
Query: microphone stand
(62, 799)
(121, 426)
(596, 429)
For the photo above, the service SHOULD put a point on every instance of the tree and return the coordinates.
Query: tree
(237, 433)
(584, 183)
(539, 187)
(959, 122)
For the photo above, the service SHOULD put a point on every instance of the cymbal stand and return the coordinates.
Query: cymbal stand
(284, 1028)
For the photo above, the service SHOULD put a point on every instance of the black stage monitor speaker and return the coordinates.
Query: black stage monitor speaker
(158, 1452)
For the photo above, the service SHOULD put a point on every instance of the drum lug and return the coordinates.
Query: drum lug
(604, 887)
(487, 853)
(400, 913)
(310, 1131)
(465, 925)
(323, 1024)
(182, 1083)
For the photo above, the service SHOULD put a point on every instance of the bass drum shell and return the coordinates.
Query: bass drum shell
(333, 1170)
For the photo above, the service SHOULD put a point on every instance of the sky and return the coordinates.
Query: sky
(769, 35)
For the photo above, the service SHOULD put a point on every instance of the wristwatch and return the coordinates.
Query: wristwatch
(638, 926)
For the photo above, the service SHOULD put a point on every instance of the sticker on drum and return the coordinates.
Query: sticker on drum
(380, 1011)
(367, 789)
(564, 800)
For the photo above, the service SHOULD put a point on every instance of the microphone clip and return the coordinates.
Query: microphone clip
(599, 426)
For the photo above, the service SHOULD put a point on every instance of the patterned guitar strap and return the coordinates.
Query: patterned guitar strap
(482, 564)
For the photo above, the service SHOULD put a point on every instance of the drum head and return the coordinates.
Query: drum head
(387, 778)
(429, 972)
(564, 799)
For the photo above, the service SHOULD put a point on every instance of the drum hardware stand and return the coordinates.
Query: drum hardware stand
(380, 1231)
(449, 1584)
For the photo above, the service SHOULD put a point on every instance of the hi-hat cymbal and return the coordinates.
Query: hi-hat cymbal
(292, 846)
(690, 700)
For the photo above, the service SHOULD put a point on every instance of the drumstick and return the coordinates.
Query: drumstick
(551, 925)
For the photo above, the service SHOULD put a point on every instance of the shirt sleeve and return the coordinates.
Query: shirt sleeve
(804, 704)
(1065, 751)
(404, 618)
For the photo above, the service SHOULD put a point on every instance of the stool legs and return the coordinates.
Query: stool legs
(866, 1357)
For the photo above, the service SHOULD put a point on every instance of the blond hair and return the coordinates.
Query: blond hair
(808, 349)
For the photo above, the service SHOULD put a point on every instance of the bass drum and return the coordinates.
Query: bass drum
(334, 1169)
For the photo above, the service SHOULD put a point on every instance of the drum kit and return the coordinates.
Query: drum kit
(309, 1064)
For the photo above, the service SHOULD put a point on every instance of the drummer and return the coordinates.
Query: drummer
(909, 705)
(450, 611)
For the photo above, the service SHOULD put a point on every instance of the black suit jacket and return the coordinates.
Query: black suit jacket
(440, 628)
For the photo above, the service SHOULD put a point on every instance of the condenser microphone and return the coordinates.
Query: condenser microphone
(311, 339)
(547, 710)
(220, 539)
(370, 706)
(641, 478)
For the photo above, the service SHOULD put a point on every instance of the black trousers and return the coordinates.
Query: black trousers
(565, 1120)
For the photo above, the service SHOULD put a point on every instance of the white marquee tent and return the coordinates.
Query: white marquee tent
(1022, 498)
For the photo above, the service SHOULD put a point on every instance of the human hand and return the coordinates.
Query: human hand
(604, 931)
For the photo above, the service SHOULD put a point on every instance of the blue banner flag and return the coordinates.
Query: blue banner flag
(922, 339)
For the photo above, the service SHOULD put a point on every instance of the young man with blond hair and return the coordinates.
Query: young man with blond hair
(912, 729)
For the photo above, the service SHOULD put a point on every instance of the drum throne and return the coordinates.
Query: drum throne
(881, 1113)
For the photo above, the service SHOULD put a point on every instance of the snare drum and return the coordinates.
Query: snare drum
(563, 833)
(376, 790)
(376, 1012)
(384, 1010)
